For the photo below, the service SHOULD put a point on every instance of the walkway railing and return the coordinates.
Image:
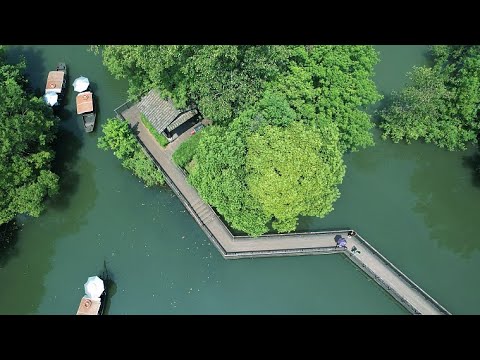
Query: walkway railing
(399, 273)
(394, 271)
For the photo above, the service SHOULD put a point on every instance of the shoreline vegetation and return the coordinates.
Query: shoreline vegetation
(118, 137)
(27, 133)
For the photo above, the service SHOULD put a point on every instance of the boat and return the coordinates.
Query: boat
(56, 84)
(93, 302)
(85, 108)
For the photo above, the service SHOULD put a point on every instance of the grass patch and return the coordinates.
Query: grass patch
(184, 154)
(162, 140)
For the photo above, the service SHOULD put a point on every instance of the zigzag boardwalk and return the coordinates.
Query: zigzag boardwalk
(397, 284)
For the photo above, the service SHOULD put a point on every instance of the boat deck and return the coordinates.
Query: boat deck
(88, 306)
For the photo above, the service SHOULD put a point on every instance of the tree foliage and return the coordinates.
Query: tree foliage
(118, 137)
(320, 83)
(333, 84)
(254, 176)
(441, 103)
(27, 130)
(185, 152)
(294, 171)
(221, 80)
(219, 176)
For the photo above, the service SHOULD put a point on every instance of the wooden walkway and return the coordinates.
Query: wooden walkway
(410, 295)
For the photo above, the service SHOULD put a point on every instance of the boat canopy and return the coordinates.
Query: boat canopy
(55, 81)
(84, 102)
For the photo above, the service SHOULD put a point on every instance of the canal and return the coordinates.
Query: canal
(415, 203)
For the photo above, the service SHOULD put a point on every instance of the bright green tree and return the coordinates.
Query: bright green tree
(294, 171)
(118, 137)
(253, 176)
(333, 84)
(440, 104)
(219, 177)
(27, 130)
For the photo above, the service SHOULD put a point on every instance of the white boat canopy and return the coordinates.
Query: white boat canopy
(94, 287)
(81, 84)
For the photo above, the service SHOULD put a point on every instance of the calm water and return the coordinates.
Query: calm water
(415, 203)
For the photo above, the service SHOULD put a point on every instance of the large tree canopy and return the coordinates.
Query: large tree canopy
(294, 171)
(219, 176)
(255, 176)
(441, 103)
(27, 128)
(221, 80)
(333, 84)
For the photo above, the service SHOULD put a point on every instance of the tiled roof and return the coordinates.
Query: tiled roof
(161, 113)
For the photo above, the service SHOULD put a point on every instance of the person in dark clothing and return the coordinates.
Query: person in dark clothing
(351, 233)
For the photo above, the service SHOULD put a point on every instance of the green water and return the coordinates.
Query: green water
(415, 203)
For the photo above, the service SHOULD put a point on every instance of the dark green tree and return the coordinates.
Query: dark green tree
(118, 137)
(27, 130)
(222, 80)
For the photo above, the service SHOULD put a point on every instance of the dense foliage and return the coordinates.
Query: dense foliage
(294, 171)
(27, 130)
(255, 176)
(307, 102)
(219, 175)
(320, 83)
(185, 152)
(119, 137)
(333, 84)
(441, 103)
(221, 80)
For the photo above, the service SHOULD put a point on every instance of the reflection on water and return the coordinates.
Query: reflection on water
(36, 73)
(451, 213)
(472, 162)
(8, 241)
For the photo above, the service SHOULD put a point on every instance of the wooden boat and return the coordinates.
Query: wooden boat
(57, 82)
(93, 305)
(85, 108)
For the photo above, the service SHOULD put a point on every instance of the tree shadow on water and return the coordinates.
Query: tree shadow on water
(67, 147)
(35, 71)
(8, 241)
(447, 205)
(473, 162)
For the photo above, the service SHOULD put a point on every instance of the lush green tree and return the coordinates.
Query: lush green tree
(118, 137)
(219, 177)
(294, 171)
(185, 152)
(222, 80)
(440, 104)
(255, 175)
(27, 129)
(333, 84)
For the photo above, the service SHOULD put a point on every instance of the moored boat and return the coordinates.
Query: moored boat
(56, 84)
(86, 108)
(93, 302)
